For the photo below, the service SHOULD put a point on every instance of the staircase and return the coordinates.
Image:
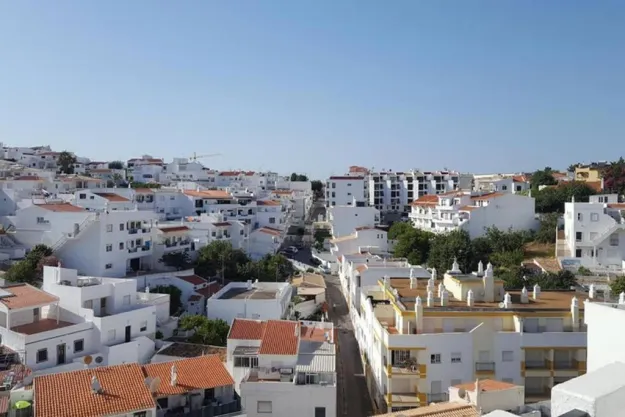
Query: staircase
(81, 228)
(607, 232)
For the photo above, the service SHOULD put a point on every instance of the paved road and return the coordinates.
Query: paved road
(353, 398)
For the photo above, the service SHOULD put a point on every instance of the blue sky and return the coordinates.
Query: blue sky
(316, 86)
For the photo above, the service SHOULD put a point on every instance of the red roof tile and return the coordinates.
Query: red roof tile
(245, 329)
(112, 197)
(61, 207)
(280, 338)
(426, 200)
(171, 229)
(208, 291)
(193, 279)
(24, 295)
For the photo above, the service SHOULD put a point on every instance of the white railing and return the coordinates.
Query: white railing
(81, 227)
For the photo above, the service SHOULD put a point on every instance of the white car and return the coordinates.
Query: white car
(292, 249)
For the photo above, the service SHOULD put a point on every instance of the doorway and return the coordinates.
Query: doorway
(135, 264)
(127, 334)
(36, 315)
(60, 354)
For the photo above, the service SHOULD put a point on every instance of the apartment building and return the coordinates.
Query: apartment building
(194, 386)
(284, 368)
(362, 239)
(594, 234)
(602, 316)
(344, 219)
(251, 300)
(417, 340)
(344, 190)
(592, 172)
(474, 213)
(501, 183)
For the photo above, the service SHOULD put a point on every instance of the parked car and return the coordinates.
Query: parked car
(292, 249)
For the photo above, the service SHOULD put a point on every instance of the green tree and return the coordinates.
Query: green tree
(617, 285)
(116, 165)
(317, 189)
(179, 260)
(134, 184)
(21, 271)
(542, 177)
(298, 177)
(572, 167)
(509, 241)
(206, 331)
(220, 257)
(414, 245)
(175, 297)
(38, 252)
(548, 228)
(614, 177)
(551, 200)
(66, 162)
(274, 267)
(398, 229)
(444, 248)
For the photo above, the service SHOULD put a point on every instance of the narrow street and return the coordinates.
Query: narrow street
(352, 397)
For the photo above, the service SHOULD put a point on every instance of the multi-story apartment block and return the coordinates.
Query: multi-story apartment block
(73, 317)
(284, 368)
(343, 191)
(345, 219)
(594, 234)
(418, 339)
(474, 213)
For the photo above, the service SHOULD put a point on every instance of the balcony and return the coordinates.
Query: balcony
(133, 231)
(133, 250)
(208, 408)
(570, 365)
(537, 364)
(484, 367)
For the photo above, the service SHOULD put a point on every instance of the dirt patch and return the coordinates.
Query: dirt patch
(539, 250)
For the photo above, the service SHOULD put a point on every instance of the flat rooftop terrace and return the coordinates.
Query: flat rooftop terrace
(251, 294)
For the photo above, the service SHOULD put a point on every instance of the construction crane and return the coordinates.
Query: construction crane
(195, 156)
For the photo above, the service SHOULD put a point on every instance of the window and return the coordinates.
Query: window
(263, 407)
(320, 412)
(108, 266)
(42, 355)
(109, 248)
(578, 253)
(594, 217)
(272, 220)
(126, 300)
(580, 217)
(504, 188)
(141, 413)
(82, 196)
(507, 356)
(109, 228)
(333, 185)
(435, 358)
(163, 403)
(144, 326)
(578, 236)
(121, 245)
(614, 240)
(79, 345)
(456, 357)
(121, 227)
(111, 335)
(246, 362)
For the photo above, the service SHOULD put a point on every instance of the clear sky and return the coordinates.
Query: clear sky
(317, 85)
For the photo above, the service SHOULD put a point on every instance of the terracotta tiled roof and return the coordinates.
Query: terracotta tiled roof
(69, 394)
(486, 196)
(267, 203)
(346, 177)
(280, 338)
(201, 372)
(171, 229)
(112, 197)
(520, 178)
(356, 168)
(193, 279)
(618, 206)
(468, 208)
(426, 200)
(61, 207)
(24, 295)
(195, 297)
(361, 268)
(453, 409)
(245, 329)
(229, 173)
(269, 231)
(595, 185)
(209, 290)
(315, 334)
(487, 385)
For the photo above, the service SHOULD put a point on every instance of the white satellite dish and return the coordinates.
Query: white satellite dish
(155, 384)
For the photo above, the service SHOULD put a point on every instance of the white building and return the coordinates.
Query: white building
(75, 317)
(343, 191)
(605, 343)
(488, 395)
(421, 339)
(284, 368)
(501, 183)
(252, 300)
(345, 219)
(362, 239)
(474, 213)
(594, 234)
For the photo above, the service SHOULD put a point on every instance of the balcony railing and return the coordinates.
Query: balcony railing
(133, 250)
(133, 231)
(232, 408)
(484, 366)
(540, 364)
(564, 365)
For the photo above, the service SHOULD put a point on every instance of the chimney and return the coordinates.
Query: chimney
(147, 289)
(412, 273)
(536, 292)
(413, 283)
(507, 301)
(433, 274)
(488, 283)
(470, 300)
(455, 268)
(444, 297)
(418, 310)
(174, 375)
(249, 284)
(386, 283)
(621, 298)
(575, 313)
(430, 299)
(441, 288)
(524, 296)
(480, 269)
(592, 292)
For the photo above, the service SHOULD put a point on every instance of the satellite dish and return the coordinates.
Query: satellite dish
(462, 393)
(501, 305)
(155, 384)
(87, 360)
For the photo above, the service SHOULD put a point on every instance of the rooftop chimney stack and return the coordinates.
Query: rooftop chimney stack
(174, 375)
(441, 288)
(592, 293)
(621, 298)
(575, 313)
(455, 267)
(536, 292)
(470, 299)
(386, 279)
(412, 273)
(480, 269)
(444, 297)
(507, 301)
(418, 310)
(413, 283)
(433, 274)
(430, 299)
(524, 296)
